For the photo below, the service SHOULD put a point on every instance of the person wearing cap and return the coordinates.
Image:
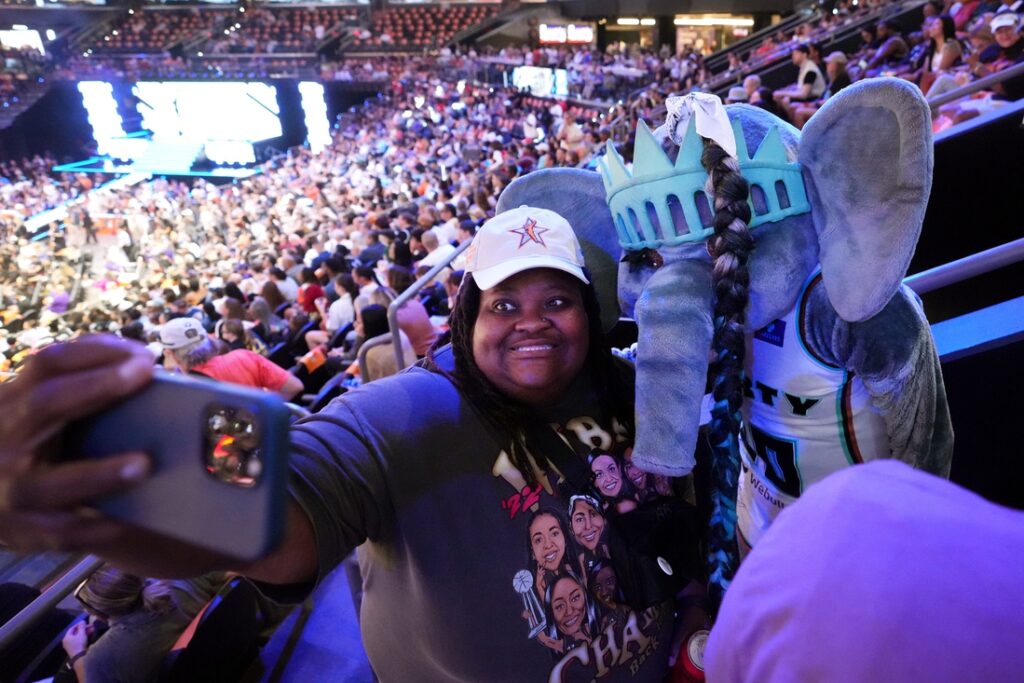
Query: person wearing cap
(1008, 51)
(737, 94)
(463, 531)
(188, 349)
(838, 78)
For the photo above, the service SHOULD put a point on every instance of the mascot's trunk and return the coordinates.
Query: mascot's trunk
(674, 311)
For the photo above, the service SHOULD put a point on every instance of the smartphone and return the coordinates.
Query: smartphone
(219, 456)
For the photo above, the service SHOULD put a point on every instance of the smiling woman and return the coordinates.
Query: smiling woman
(418, 469)
(530, 337)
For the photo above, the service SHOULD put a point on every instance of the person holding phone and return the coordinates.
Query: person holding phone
(428, 471)
(132, 625)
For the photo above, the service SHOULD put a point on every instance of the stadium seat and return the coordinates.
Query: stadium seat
(224, 642)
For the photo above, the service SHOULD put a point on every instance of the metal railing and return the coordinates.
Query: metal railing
(38, 608)
(976, 86)
(967, 267)
(412, 291)
(364, 350)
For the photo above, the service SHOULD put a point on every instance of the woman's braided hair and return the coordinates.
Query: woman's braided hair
(730, 247)
(610, 379)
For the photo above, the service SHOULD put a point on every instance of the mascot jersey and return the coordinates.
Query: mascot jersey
(803, 420)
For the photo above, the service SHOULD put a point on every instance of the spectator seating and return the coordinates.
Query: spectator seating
(152, 30)
(225, 638)
(280, 30)
(418, 27)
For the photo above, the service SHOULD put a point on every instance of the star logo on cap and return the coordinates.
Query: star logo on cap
(530, 232)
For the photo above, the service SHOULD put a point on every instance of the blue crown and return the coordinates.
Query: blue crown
(657, 204)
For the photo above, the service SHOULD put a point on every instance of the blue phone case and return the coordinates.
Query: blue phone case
(182, 498)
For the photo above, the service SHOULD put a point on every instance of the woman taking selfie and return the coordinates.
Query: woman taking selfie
(430, 469)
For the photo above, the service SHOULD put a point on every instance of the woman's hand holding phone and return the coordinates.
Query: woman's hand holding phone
(44, 501)
(40, 499)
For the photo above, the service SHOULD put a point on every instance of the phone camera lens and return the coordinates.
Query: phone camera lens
(218, 424)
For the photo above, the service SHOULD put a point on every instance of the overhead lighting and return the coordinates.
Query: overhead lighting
(648, 22)
(627, 21)
(19, 27)
(51, 34)
(713, 21)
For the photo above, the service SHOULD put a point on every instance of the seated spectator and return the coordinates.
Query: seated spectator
(838, 77)
(1007, 51)
(309, 291)
(233, 334)
(436, 251)
(942, 54)
(736, 95)
(869, 44)
(890, 54)
(366, 280)
(268, 326)
(142, 618)
(373, 250)
(227, 308)
(751, 84)
(189, 349)
(412, 316)
(978, 42)
(341, 312)
(570, 135)
(372, 322)
(810, 83)
(288, 287)
(271, 293)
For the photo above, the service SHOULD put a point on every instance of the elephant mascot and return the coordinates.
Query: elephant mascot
(768, 263)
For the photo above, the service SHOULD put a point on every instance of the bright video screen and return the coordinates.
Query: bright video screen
(540, 81)
(21, 38)
(209, 111)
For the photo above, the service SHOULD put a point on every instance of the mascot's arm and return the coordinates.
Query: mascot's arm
(894, 355)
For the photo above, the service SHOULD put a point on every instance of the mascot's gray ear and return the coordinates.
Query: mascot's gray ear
(579, 197)
(867, 159)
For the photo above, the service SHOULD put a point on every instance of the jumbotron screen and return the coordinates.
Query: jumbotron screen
(210, 111)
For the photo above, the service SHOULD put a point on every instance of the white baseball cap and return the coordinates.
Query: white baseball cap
(523, 239)
(180, 333)
(1004, 19)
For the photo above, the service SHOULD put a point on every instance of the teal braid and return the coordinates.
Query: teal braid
(730, 246)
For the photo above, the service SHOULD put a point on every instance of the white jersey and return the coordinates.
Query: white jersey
(803, 419)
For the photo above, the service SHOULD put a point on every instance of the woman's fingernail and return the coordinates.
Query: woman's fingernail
(136, 468)
(131, 370)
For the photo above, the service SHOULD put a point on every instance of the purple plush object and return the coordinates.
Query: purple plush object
(878, 573)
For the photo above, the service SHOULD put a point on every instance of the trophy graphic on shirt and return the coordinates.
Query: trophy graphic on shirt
(523, 583)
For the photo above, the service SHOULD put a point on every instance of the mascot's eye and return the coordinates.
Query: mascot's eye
(644, 258)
